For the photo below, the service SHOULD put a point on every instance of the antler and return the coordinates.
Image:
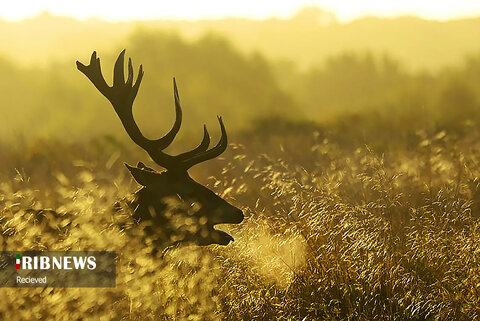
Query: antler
(122, 95)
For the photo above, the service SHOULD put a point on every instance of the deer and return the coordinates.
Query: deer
(151, 203)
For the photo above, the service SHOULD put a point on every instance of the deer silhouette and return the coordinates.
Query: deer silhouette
(150, 204)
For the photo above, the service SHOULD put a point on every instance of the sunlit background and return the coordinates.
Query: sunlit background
(345, 10)
(354, 152)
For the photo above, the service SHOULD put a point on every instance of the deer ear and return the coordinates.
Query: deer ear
(143, 176)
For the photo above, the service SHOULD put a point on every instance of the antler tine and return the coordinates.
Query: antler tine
(94, 73)
(211, 153)
(178, 117)
(119, 70)
(203, 146)
(130, 72)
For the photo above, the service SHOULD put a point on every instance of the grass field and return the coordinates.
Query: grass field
(384, 229)
(359, 176)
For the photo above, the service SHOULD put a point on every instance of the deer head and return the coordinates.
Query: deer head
(152, 200)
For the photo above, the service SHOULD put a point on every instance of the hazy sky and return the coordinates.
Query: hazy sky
(345, 10)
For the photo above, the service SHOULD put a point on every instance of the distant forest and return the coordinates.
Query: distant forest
(307, 39)
(47, 96)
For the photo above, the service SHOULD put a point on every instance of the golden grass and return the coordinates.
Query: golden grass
(331, 233)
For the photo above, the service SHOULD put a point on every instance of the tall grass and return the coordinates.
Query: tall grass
(333, 230)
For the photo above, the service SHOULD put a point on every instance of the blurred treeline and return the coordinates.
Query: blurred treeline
(373, 99)
(59, 102)
(363, 97)
(357, 93)
(381, 232)
(307, 38)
